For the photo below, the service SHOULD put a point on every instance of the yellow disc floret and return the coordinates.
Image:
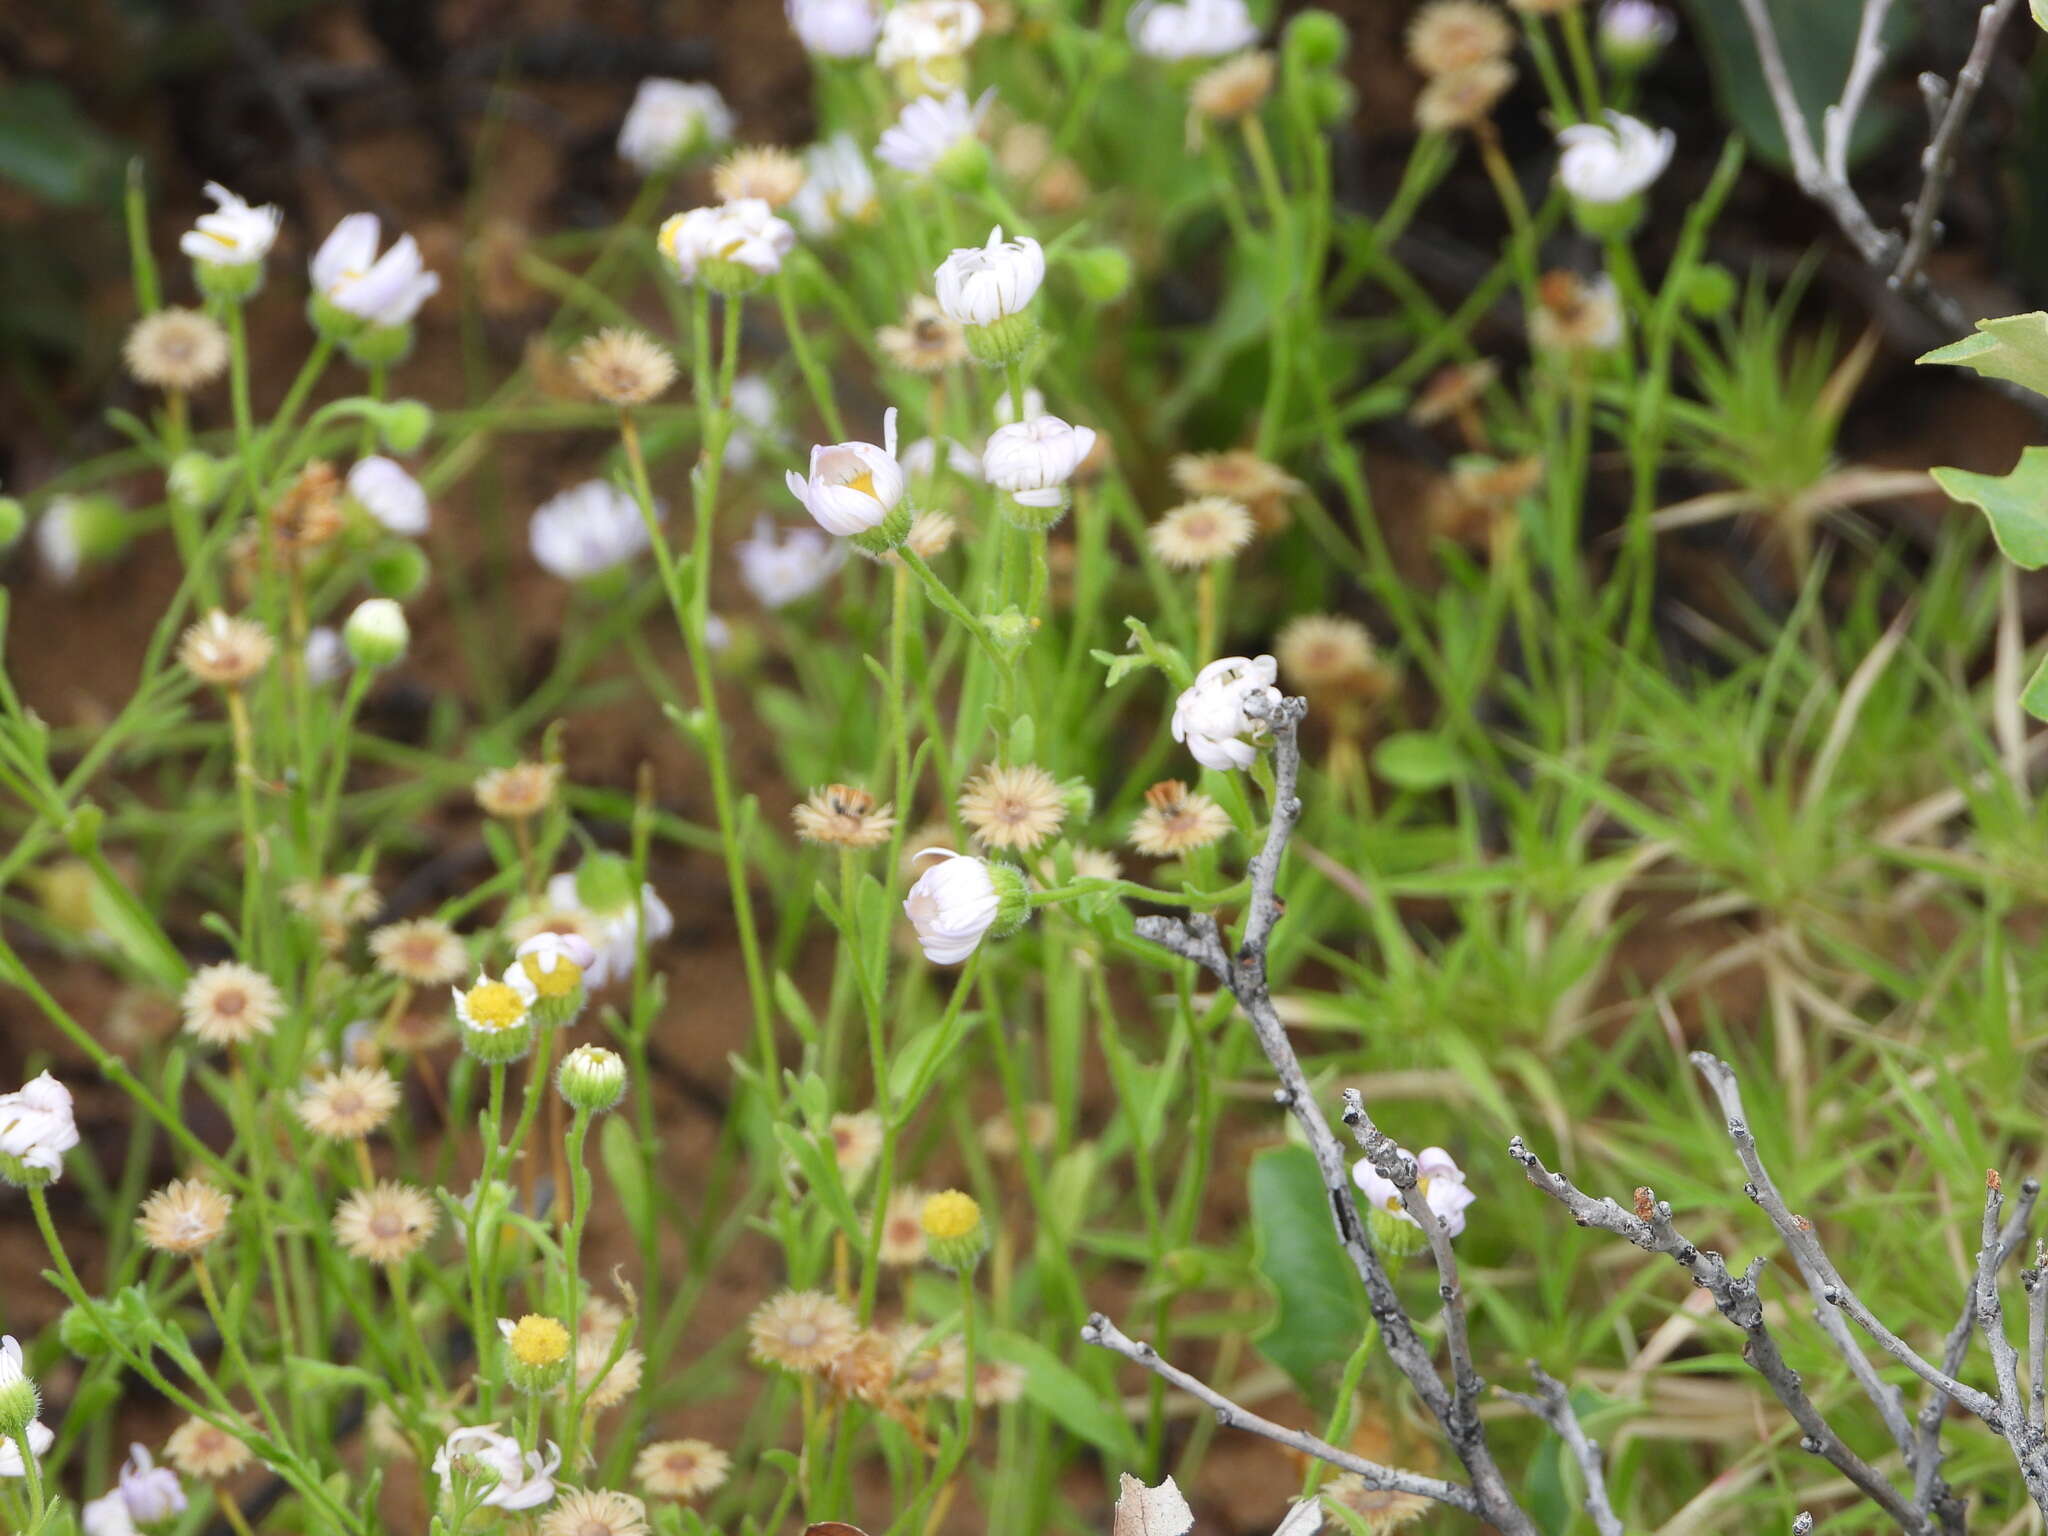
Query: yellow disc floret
(561, 976)
(951, 1214)
(538, 1341)
(493, 1005)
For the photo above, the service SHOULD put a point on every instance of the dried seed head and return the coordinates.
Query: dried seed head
(766, 171)
(348, 1105)
(1201, 532)
(1234, 89)
(185, 1216)
(423, 951)
(230, 1004)
(1330, 657)
(517, 793)
(802, 1331)
(202, 1450)
(845, 815)
(181, 349)
(1177, 819)
(225, 652)
(1463, 98)
(385, 1224)
(1447, 36)
(927, 342)
(682, 1469)
(622, 367)
(1015, 807)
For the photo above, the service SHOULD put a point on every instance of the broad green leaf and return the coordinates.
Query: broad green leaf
(2016, 503)
(2034, 699)
(1067, 1397)
(1320, 1308)
(2040, 10)
(51, 149)
(619, 1151)
(2013, 347)
(1418, 760)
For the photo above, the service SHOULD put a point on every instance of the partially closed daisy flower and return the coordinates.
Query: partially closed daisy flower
(595, 1512)
(587, 531)
(924, 42)
(669, 120)
(181, 349)
(732, 248)
(1201, 532)
(682, 1469)
(496, 1017)
(230, 1004)
(423, 951)
(1013, 807)
(855, 490)
(802, 1331)
(622, 366)
(385, 1224)
(1176, 820)
(935, 135)
(347, 1105)
(184, 1217)
(844, 815)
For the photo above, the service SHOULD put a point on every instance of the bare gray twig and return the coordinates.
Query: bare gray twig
(1103, 1333)
(2029, 1446)
(1939, 159)
(1553, 1404)
(2037, 1337)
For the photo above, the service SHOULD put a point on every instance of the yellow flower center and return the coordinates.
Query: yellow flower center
(951, 1214)
(539, 1341)
(564, 979)
(493, 1005)
(864, 482)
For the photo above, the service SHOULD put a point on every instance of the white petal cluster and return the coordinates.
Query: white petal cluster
(617, 940)
(851, 487)
(839, 186)
(1635, 25)
(384, 290)
(389, 494)
(586, 530)
(670, 119)
(36, 1126)
(780, 571)
(921, 458)
(1210, 714)
(1611, 162)
(981, 284)
(744, 231)
(1192, 29)
(1033, 460)
(40, 1439)
(144, 1494)
(756, 412)
(524, 1481)
(234, 234)
(951, 906)
(927, 128)
(921, 33)
(834, 29)
(1440, 1182)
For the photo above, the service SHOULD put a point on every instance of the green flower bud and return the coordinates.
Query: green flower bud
(1013, 898)
(1078, 796)
(963, 167)
(1331, 98)
(592, 1079)
(1033, 516)
(1395, 1236)
(1315, 40)
(398, 570)
(1101, 272)
(404, 424)
(79, 1331)
(376, 634)
(733, 279)
(13, 523)
(196, 480)
(604, 883)
(1010, 630)
(1709, 290)
(330, 320)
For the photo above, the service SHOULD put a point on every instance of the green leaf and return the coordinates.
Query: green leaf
(2034, 699)
(1320, 1308)
(326, 1376)
(2040, 10)
(2013, 347)
(1418, 760)
(619, 1151)
(1120, 666)
(2016, 503)
(1067, 1397)
(51, 149)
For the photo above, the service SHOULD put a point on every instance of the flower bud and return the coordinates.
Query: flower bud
(79, 1331)
(398, 570)
(604, 883)
(1632, 33)
(1709, 290)
(964, 166)
(1010, 630)
(196, 480)
(536, 1351)
(592, 1079)
(228, 282)
(19, 1400)
(1396, 1236)
(13, 523)
(376, 633)
(954, 1233)
(1330, 98)
(1607, 221)
(1101, 272)
(403, 425)
(1315, 40)
(329, 320)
